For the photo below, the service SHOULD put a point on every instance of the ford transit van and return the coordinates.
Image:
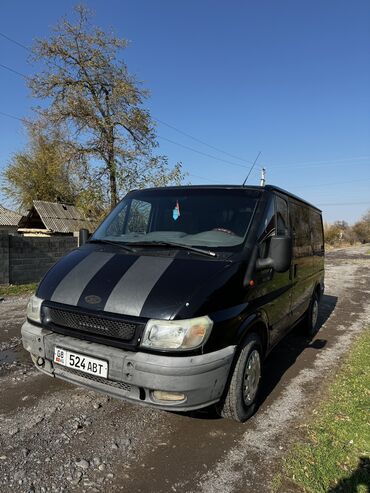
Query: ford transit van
(179, 295)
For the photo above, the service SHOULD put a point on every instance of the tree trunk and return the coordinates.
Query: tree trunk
(112, 184)
(111, 162)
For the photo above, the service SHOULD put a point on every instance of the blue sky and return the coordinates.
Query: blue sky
(288, 78)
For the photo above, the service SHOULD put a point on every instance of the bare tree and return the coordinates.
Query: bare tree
(89, 90)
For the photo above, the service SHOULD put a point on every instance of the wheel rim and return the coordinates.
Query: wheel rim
(315, 312)
(252, 375)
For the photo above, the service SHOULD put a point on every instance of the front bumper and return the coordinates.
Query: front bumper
(133, 375)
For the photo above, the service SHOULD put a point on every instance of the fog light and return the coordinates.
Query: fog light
(161, 395)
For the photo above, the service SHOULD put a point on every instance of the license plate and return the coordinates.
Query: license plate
(81, 362)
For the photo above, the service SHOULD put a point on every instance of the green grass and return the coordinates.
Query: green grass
(334, 455)
(17, 289)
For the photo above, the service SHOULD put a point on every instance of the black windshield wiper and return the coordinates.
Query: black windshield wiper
(209, 253)
(115, 243)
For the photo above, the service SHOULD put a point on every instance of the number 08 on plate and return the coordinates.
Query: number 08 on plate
(93, 366)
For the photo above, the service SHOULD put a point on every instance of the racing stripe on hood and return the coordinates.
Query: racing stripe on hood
(58, 272)
(71, 287)
(131, 292)
(103, 283)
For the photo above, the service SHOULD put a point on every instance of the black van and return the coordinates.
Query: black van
(179, 295)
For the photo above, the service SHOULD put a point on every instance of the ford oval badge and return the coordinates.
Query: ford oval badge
(92, 299)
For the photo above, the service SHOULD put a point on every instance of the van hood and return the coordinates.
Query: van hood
(100, 278)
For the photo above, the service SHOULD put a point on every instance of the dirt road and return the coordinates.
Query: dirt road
(57, 437)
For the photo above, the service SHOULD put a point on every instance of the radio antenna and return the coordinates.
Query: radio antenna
(250, 171)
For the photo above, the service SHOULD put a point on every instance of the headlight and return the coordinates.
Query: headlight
(177, 334)
(34, 309)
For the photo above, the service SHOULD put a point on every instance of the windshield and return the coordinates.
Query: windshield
(213, 218)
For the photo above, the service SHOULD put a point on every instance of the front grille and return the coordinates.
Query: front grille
(118, 385)
(108, 327)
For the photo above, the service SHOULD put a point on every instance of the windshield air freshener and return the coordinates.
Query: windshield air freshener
(176, 211)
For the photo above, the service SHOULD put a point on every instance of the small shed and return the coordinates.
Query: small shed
(53, 218)
(9, 220)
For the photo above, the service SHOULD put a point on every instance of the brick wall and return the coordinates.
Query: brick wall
(26, 259)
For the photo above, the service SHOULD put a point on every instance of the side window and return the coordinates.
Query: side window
(282, 218)
(267, 230)
(268, 227)
(316, 227)
(138, 220)
(301, 225)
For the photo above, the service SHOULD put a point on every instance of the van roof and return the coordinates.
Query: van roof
(269, 188)
(285, 192)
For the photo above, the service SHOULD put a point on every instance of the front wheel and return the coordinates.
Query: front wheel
(241, 398)
(310, 323)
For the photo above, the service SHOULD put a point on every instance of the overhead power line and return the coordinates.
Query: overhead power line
(309, 164)
(338, 162)
(212, 181)
(163, 138)
(12, 40)
(12, 116)
(344, 203)
(160, 137)
(206, 155)
(332, 184)
(207, 180)
(230, 163)
(201, 141)
(13, 70)
(196, 139)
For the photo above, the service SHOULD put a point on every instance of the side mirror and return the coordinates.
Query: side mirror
(83, 236)
(280, 255)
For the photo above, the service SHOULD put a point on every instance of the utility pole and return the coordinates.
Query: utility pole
(263, 177)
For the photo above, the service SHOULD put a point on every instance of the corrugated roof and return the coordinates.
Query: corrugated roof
(9, 218)
(62, 218)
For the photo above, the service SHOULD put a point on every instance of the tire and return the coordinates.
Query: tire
(239, 404)
(310, 323)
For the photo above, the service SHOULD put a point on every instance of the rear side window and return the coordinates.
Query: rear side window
(316, 226)
(300, 216)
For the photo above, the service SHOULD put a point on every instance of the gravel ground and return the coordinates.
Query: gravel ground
(58, 437)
